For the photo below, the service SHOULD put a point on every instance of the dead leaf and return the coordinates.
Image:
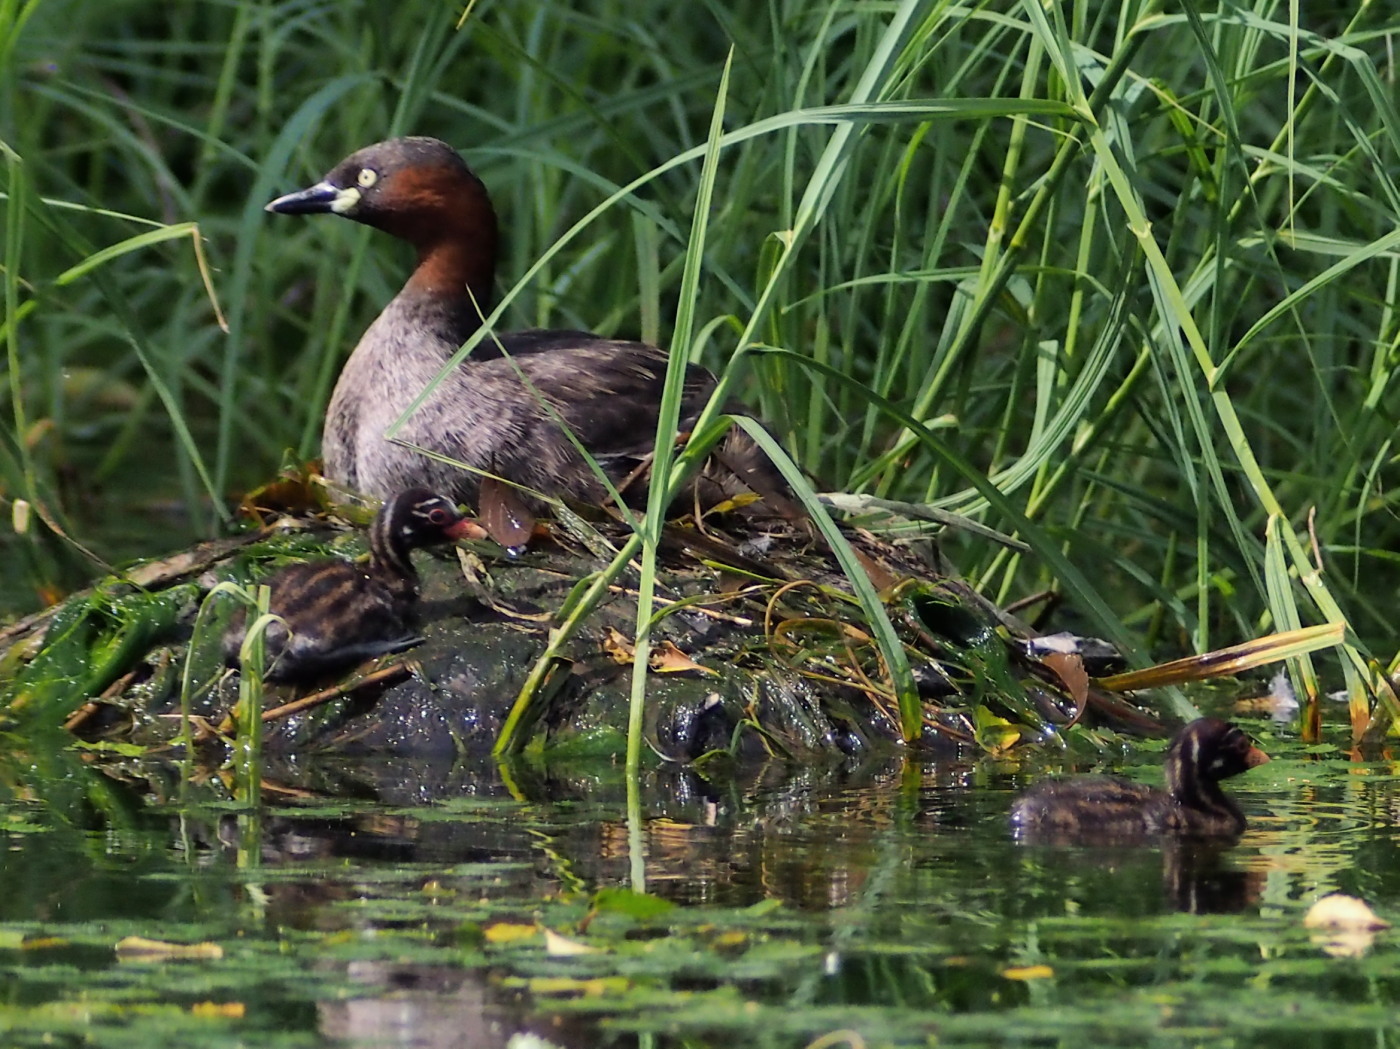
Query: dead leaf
(617, 645)
(1343, 926)
(1339, 911)
(140, 949)
(731, 941)
(1028, 972)
(666, 658)
(509, 932)
(219, 1010)
(37, 944)
(562, 985)
(1069, 668)
(562, 947)
(504, 513)
(880, 576)
(294, 492)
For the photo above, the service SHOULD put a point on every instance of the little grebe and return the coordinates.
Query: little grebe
(1203, 753)
(338, 612)
(483, 413)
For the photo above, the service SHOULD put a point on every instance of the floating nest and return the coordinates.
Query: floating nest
(759, 648)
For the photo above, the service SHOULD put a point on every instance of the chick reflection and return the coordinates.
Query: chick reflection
(1198, 879)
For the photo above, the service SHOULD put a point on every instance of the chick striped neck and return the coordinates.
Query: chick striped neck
(389, 546)
(1196, 763)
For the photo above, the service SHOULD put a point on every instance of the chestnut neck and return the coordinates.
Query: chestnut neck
(453, 228)
(455, 270)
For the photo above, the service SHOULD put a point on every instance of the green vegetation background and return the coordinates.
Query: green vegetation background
(1136, 262)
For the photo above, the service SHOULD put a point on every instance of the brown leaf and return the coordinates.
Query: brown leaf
(880, 575)
(504, 514)
(294, 492)
(1069, 668)
(618, 645)
(666, 658)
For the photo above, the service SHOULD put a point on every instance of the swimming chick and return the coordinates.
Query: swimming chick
(336, 612)
(1202, 754)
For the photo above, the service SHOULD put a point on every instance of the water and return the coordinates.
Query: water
(405, 903)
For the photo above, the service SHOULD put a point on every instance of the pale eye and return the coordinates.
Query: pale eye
(367, 177)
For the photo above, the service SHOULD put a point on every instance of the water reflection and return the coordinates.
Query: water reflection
(810, 839)
(1198, 876)
(444, 1007)
(878, 888)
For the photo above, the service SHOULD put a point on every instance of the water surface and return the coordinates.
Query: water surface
(404, 902)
